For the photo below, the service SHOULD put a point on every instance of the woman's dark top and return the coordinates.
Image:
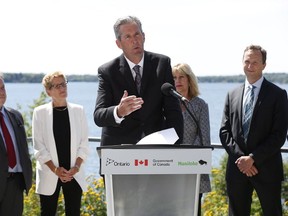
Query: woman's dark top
(61, 130)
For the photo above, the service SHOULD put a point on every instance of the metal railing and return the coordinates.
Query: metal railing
(214, 145)
(284, 149)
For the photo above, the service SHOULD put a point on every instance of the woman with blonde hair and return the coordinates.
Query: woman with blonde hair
(196, 120)
(60, 141)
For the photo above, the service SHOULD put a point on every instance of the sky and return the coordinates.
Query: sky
(76, 36)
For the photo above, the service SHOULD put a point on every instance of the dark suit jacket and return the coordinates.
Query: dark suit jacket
(158, 111)
(20, 136)
(267, 134)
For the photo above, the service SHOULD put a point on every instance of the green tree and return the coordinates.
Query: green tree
(27, 116)
(215, 203)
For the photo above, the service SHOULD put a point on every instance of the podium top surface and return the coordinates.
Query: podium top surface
(156, 146)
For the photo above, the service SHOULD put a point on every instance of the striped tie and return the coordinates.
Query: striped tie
(136, 68)
(248, 111)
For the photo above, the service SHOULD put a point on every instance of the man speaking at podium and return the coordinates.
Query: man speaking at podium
(130, 104)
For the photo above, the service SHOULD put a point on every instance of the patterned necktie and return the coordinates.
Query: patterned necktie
(248, 110)
(136, 68)
(9, 143)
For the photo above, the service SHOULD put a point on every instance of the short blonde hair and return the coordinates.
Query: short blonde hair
(47, 79)
(186, 70)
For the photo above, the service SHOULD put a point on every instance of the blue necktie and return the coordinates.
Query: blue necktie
(136, 68)
(248, 111)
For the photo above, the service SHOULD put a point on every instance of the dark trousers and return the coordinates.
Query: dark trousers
(199, 204)
(72, 196)
(240, 197)
(12, 203)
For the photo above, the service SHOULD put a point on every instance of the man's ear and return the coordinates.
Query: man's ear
(118, 44)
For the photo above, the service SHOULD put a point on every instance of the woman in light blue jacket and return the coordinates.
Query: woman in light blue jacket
(60, 141)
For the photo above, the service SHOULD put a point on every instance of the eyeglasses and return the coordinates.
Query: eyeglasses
(58, 86)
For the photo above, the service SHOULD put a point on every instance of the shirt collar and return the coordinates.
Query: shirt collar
(2, 110)
(131, 64)
(257, 84)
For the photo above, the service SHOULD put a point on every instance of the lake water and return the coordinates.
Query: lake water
(85, 93)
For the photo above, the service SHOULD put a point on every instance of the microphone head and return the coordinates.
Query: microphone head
(166, 89)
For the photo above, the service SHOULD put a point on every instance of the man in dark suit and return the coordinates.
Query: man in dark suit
(254, 160)
(126, 110)
(15, 163)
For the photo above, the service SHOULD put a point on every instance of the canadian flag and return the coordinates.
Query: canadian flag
(141, 162)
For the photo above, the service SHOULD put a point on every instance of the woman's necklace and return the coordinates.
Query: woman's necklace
(60, 108)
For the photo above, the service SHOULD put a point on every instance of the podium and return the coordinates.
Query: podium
(153, 180)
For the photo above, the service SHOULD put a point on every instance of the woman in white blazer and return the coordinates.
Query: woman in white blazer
(60, 141)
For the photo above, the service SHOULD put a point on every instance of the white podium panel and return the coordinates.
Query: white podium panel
(153, 180)
(156, 161)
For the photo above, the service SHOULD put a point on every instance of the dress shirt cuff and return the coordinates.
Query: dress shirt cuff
(117, 119)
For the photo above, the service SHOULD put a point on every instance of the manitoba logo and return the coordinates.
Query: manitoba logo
(202, 162)
(141, 162)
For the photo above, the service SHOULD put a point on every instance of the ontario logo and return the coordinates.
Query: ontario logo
(141, 162)
(110, 161)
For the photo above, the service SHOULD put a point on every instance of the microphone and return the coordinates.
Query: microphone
(168, 89)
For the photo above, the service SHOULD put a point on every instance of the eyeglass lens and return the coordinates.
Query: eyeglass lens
(58, 86)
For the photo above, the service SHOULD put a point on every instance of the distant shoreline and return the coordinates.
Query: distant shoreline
(37, 78)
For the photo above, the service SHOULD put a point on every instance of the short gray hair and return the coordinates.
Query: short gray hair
(123, 21)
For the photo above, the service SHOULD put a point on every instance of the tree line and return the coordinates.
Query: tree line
(281, 78)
